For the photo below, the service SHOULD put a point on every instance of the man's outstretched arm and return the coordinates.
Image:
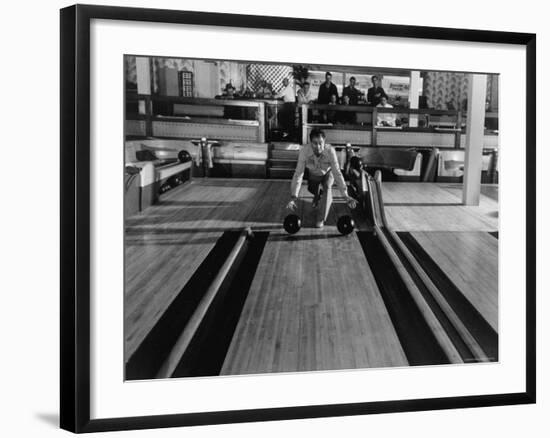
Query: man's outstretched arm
(297, 180)
(298, 174)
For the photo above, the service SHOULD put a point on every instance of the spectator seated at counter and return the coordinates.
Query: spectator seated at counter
(265, 91)
(347, 117)
(331, 116)
(385, 119)
(336, 116)
(228, 92)
(234, 112)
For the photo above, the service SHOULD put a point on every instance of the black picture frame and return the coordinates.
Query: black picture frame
(75, 217)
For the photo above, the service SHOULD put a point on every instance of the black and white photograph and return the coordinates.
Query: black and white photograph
(298, 217)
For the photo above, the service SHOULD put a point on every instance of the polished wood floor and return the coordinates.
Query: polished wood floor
(436, 207)
(313, 303)
(470, 260)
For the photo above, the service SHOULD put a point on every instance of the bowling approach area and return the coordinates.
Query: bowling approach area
(214, 285)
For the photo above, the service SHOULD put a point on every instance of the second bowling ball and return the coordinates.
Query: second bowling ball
(345, 225)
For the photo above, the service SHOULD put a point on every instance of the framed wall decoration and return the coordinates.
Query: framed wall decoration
(267, 218)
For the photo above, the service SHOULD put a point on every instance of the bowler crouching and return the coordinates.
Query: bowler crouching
(322, 164)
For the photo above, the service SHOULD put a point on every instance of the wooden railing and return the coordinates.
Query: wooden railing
(457, 130)
(417, 120)
(146, 111)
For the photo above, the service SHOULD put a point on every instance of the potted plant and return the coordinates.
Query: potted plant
(300, 74)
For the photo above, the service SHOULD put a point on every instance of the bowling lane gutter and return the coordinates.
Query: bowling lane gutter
(223, 277)
(450, 329)
(416, 335)
(193, 335)
(423, 338)
(467, 346)
(207, 351)
(145, 362)
(485, 336)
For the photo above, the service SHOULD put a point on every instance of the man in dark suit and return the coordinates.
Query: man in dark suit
(326, 90)
(353, 93)
(376, 92)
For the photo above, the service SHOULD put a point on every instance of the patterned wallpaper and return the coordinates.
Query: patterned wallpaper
(446, 90)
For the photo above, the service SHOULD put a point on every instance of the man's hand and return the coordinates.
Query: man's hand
(292, 205)
(352, 203)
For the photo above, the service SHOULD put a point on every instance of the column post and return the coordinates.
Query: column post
(475, 128)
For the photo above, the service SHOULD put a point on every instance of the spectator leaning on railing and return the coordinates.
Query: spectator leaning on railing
(385, 119)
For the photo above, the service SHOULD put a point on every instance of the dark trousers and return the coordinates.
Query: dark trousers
(287, 116)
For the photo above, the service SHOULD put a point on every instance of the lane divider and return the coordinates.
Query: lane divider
(476, 352)
(223, 277)
(453, 334)
(469, 317)
(149, 356)
(410, 322)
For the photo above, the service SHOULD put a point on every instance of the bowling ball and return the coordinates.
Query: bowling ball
(292, 224)
(184, 156)
(345, 224)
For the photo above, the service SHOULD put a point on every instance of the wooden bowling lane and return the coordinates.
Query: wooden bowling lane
(268, 207)
(313, 305)
(154, 277)
(436, 207)
(165, 244)
(470, 261)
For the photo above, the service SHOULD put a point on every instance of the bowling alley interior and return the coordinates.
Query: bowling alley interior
(302, 218)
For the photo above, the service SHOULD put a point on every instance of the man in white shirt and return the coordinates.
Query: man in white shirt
(287, 113)
(385, 119)
(304, 94)
(322, 164)
(287, 92)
